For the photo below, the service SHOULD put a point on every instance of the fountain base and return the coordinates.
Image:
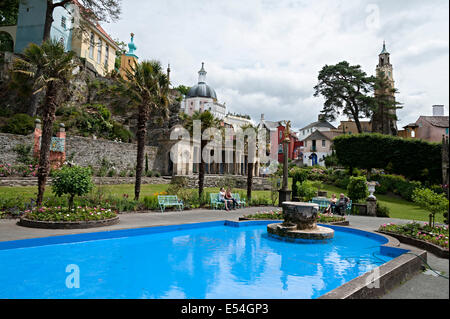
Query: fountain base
(318, 233)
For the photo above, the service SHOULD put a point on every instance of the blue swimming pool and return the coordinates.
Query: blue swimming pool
(216, 260)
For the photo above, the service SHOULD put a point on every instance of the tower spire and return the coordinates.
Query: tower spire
(202, 74)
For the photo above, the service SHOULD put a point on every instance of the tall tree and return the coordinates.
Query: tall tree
(250, 161)
(346, 89)
(147, 87)
(207, 121)
(50, 69)
(92, 11)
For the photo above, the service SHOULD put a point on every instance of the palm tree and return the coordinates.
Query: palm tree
(250, 162)
(50, 69)
(147, 88)
(207, 121)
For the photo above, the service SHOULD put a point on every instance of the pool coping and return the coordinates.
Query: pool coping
(377, 282)
(388, 275)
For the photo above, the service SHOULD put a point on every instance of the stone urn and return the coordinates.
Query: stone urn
(303, 216)
(300, 223)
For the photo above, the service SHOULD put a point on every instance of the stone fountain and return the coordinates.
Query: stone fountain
(300, 222)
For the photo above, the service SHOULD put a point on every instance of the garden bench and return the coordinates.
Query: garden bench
(240, 202)
(169, 201)
(214, 201)
(322, 202)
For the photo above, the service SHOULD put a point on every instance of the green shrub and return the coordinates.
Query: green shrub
(307, 191)
(415, 159)
(21, 124)
(72, 180)
(395, 184)
(357, 188)
(151, 202)
(382, 211)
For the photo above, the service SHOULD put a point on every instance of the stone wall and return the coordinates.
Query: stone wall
(259, 183)
(85, 151)
(7, 144)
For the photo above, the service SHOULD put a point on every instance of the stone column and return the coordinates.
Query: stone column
(371, 206)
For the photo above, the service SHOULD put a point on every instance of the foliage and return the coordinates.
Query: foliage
(72, 180)
(382, 211)
(274, 187)
(357, 188)
(413, 158)
(59, 214)
(9, 12)
(395, 184)
(306, 190)
(21, 170)
(430, 201)
(179, 186)
(331, 160)
(24, 155)
(347, 90)
(437, 235)
(21, 124)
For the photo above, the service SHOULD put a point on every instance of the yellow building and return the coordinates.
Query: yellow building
(350, 127)
(97, 47)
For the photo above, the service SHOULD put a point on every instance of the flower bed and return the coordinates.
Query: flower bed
(62, 218)
(58, 214)
(424, 236)
(20, 170)
(278, 215)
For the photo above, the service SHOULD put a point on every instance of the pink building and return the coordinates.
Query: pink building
(428, 128)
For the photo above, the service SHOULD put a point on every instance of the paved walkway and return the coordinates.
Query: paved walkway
(423, 286)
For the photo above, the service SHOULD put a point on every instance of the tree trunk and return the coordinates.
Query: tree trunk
(48, 117)
(201, 170)
(71, 197)
(48, 20)
(249, 181)
(358, 124)
(141, 133)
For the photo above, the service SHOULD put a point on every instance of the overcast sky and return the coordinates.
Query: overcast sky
(263, 56)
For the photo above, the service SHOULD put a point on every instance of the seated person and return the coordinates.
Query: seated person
(331, 208)
(342, 204)
(229, 196)
(222, 198)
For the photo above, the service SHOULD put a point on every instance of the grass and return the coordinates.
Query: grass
(399, 208)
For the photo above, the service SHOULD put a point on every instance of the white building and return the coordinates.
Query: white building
(320, 125)
(202, 97)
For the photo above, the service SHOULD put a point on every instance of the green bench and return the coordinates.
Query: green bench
(216, 204)
(324, 203)
(169, 201)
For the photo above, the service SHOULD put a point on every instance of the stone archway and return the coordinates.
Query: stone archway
(6, 42)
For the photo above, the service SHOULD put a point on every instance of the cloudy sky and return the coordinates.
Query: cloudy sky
(263, 56)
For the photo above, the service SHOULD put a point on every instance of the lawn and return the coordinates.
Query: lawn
(399, 208)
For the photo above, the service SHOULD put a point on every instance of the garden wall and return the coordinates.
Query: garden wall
(84, 151)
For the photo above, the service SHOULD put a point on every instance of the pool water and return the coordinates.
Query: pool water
(215, 260)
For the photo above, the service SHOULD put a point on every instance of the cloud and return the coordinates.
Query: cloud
(263, 56)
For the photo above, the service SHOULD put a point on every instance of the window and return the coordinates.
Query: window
(91, 46)
(106, 56)
(63, 22)
(99, 52)
(446, 131)
(324, 143)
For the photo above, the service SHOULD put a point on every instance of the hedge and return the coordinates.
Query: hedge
(413, 158)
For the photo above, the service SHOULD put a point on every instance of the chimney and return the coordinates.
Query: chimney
(262, 116)
(438, 110)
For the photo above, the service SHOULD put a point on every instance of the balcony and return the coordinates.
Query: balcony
(313, 149)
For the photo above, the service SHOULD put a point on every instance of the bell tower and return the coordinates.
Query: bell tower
(384, 119)
(129, 60)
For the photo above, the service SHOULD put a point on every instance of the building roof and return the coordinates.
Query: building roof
(323, 135)
(319, 124)
(438, 121)
(202, 89)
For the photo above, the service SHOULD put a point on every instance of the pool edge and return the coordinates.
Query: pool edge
(376, 283)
